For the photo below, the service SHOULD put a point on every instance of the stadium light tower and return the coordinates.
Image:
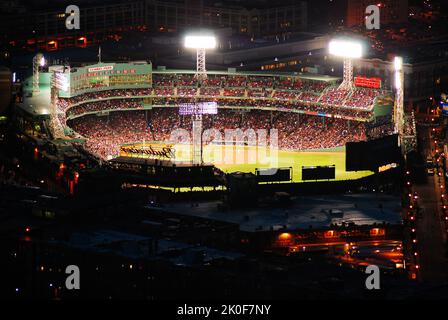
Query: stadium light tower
(38, 62)
(59, 81)
(349, 50)
(201, 43)
(196, 110)
(399, 94)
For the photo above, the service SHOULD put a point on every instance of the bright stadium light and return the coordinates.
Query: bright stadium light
(398, 71)
(399, 96)
(42, 61)
(200, 42)
(346, 48)
(61, 81)
(398, 63)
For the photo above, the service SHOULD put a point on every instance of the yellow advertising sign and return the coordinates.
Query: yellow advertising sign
(150, 151)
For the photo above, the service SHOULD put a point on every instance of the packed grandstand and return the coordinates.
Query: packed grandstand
(308, 113)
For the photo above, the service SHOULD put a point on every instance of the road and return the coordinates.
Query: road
(430, 231)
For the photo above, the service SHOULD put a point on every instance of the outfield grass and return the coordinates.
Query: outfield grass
(298, 159)
(246, 159)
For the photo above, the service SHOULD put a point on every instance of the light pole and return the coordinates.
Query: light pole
(201, 43)
(399, 91)
(196, 110)
(59, 81)
(38, 62)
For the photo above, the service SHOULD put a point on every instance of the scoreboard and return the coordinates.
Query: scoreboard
(198, 108)
(374, 83)
(318, 173)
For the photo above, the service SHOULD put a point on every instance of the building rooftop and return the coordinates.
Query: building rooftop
(139, 247)
(36, 103)
(304, 212)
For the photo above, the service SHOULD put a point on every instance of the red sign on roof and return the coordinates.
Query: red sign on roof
(361, 81)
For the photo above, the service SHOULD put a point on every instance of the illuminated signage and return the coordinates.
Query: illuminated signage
(198, 108)
(374, 83)
(103, 68)
(155, 151)
(62, 81)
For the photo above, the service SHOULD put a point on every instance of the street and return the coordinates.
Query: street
(430, 232)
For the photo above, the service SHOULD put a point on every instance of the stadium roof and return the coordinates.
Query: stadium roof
(36, 103)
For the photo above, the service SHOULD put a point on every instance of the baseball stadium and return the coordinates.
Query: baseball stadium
(259, 120)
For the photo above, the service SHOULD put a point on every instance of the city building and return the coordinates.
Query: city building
(391, 11)
(423, 79)
(5, 88)
(44, 29)
(252, 18)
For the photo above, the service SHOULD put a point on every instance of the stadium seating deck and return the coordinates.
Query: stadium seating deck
(246, 91)
(268, 97)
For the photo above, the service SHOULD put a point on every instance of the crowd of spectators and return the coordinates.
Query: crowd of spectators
(187, 92)
(288, 84)
(186, 81)
(362, 98)
(98, 106)
(284, 95)
(239, 81)
(308, 97)
(239, 86)
(211, 81)
(236, 90)
(235, 82)
(231, 101)
(164, 92)
(163, 80)
(314, 86)
(210, 92)
(334, 96)
(65, 103)
(259, 93)
(311, 132)
(260, 82)
(295, 131)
